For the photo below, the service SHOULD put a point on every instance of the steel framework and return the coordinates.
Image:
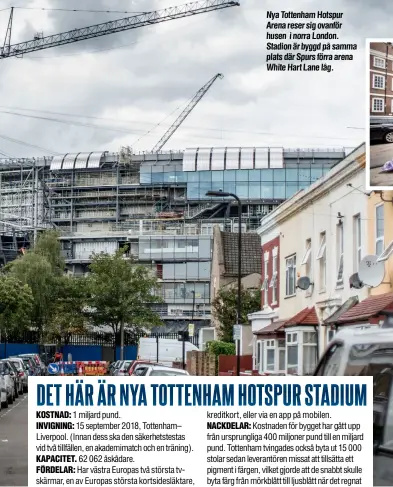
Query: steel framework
(184, 114)
(134, 22)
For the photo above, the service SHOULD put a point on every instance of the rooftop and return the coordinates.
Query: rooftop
(367, 308)
(306, 317)
(251, 253)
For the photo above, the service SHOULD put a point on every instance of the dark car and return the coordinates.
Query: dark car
(381, 129)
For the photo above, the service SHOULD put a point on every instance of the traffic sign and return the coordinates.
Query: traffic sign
(191, 329)
(53, 369)
(237, 332)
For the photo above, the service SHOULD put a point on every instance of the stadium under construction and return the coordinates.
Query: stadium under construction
(155, 203)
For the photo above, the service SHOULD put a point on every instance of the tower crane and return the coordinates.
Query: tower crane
(128, 23)
(184, 114)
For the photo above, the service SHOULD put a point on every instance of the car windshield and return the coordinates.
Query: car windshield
(369, 359)
(388, 433)
(166, 372)
(2, 368)
(13, 367)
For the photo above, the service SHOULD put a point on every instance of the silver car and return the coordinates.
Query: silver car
(124, 368)
(9, 385)
(22, 371)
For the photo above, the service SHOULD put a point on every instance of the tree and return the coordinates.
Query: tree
(68, 314)
(225, 309)
(35, 271)
(42, 269)
(121, 293)
(16, 305)
(48, 246)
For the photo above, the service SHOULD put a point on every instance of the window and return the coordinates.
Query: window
(378, 105)
(340, 253)
(265, 285)
(290, 275)
(379, 62)
(357, 242)
(307, 260)
(273, 282)
(378, 82)
(379, 230)
(321, 256)
(331, 361)
(259, 356)
(292, 353)
(270, 355)
(330, 335)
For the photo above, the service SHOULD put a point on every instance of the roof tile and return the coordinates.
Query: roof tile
(308, 316)
(274, 327)
(251, 253)
(367, 308)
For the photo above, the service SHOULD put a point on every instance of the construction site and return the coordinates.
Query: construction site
(155, 203)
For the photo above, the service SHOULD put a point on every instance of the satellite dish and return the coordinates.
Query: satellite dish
(371, 272)
(355, 282)
(303, 283)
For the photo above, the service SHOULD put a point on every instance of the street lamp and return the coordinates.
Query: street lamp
(224, 194)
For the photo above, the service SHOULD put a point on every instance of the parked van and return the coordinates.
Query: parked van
(368, 352)
(169, 350)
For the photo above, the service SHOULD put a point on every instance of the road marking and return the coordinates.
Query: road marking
(13, 407)
(4, 441)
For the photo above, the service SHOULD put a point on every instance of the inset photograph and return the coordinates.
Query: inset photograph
(380, 115)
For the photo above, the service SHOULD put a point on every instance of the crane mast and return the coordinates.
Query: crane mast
(128, 23)
(184, 114)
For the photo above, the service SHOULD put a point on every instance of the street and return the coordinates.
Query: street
(13, 443)
(379, 154)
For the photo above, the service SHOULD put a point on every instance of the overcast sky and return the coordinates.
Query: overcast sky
(134, 80)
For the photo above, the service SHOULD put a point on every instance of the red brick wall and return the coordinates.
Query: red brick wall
(268, 247)
(228, 363)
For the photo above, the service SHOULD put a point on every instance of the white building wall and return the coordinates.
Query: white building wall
(303, 220)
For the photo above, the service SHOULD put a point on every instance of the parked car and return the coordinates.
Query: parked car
(381, 129)
(40, 365)
(9, 385)
(123, 369)
(368, 352)
(22, 371)
(16, 377)
(160, 370)
(116, 366)
(139, 365)
(30, 365)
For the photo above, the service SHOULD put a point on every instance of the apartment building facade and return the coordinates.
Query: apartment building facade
(322, 233)
(381, 79)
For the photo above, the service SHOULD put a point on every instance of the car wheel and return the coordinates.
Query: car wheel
(4, 404)
(388, 137)
(25, 389)
(10, 400)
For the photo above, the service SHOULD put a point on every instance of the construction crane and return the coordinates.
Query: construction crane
(184, 114)
(141, 20)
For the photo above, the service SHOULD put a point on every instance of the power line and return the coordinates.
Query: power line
(68, 122)
(21, 142)
(204, 128)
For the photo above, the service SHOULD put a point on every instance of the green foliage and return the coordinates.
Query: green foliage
(225, 309)
(16, 304)
(36, 271)
(48, 246)
(120, 293)
(217, 347)
(68, 314)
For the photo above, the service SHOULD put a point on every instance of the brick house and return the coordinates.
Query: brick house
(381, 79)
(270, 295)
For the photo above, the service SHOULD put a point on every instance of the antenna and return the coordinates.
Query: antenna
(371, 272)
(355, 282)
(304, 283)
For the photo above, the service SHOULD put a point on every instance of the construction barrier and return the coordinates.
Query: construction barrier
(94, 368)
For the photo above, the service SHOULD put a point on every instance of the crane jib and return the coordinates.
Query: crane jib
(134, 22)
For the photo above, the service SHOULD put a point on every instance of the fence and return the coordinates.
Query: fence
(92, 346)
